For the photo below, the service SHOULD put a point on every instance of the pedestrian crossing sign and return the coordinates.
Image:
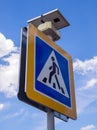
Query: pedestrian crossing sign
(49, 74)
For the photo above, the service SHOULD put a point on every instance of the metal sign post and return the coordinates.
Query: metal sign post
(50, 120)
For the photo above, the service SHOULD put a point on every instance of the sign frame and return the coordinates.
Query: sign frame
(22, 78)
(35, 96)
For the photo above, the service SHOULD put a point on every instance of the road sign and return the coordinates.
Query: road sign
(21, 91)
(49, 74)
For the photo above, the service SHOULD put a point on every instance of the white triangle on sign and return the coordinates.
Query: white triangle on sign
(51, 75)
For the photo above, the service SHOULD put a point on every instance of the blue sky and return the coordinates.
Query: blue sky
(79, 40)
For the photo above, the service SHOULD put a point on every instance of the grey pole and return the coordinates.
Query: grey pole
(50, 120)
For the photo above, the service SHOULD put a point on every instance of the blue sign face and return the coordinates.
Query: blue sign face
(51, 73)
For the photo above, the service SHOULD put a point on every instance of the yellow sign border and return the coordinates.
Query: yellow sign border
(30, 73)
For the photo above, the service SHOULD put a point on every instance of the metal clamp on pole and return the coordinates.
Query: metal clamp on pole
(49, 29)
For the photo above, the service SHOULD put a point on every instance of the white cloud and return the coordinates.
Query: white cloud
(85, 83)
(89, 127)
(84, 100)
(6, 45)
(84, 67)
(89, 84)
(1, 106)
(9, 67)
